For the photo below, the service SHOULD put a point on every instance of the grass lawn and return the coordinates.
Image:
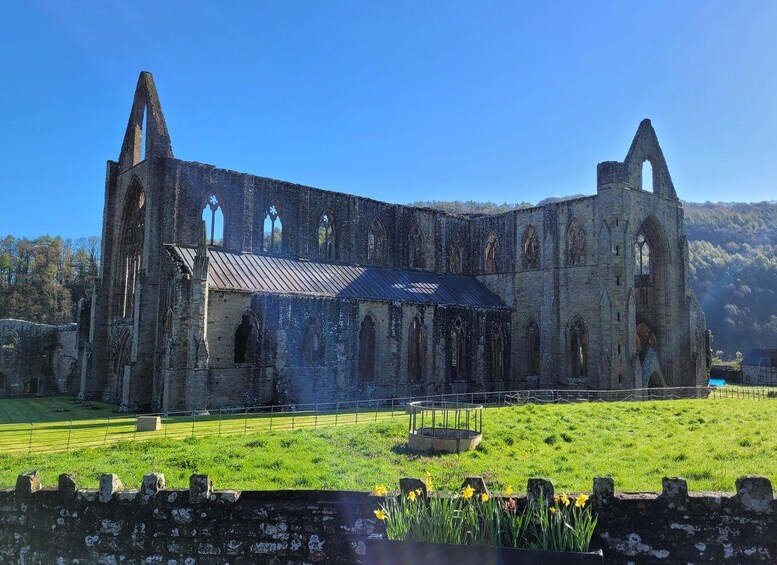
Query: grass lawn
(709, 442)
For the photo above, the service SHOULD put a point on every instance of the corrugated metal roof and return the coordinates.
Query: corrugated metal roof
(279, 275)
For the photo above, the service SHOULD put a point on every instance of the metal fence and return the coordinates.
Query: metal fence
(78, 434)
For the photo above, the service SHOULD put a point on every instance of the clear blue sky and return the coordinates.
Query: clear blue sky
(399, 101)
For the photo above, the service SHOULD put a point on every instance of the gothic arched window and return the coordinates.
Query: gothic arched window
(575, 243)
(213, 215)
(130, 257)
(376, 242)
(497, 353)
(245, 340)
(416, 248)
(272, 237)
(367, 350)
(456, 255)
(531, 249)
(532, 349)
(458, 351)
(641, 259)
(415, 350)
(326, 236)
(490, 251)
(578, 341)
(313, 342)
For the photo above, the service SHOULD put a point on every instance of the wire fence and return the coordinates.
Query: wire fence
(67, 435)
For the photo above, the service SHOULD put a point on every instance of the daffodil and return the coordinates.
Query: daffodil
(552, 509)
(411, 495)
(564, 499)
(483, 497)
(380, 490)
(509, 490)
(428, 481)
(468, 492)
(380, 514)
(581, 500)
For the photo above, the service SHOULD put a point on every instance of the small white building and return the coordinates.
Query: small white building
(759, 367)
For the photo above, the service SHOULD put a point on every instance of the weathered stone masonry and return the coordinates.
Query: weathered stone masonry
(200, 525)
(293, 293)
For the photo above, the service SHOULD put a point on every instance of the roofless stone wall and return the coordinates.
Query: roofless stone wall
(201, 525)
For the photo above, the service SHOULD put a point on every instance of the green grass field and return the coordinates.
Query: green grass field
(709, 442)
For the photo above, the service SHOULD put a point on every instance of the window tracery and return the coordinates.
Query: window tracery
(130, 257)
(376, 242)
(531, 248)
(416, 248)
(272, 238)
(497, 353)
(491, 248)
(575, 244)
(642, 258)
(326, 236)
(213, 214)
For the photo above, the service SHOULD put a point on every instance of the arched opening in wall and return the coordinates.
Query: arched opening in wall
(367, 350)
(415, 350)
(129, 259)
(654, 381)
(9, 347)
(490, 250)
(647, 176)
(531, 248)
(326, 236)
(31, 386)
(458, 352)
(575, 243)
(213, 216)
(143, 134)
(578, 341)
(456, 255)
(168, 322)
(641, 259)
(532, 348)
(415, 250)
(245, 339)
(312, 342)
(376, 242)
(497, 353)
(272, 235)
(651, 257)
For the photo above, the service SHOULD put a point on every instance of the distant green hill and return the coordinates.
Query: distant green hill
(733, 266)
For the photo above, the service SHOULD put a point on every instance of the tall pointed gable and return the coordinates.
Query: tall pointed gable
(157, 141)
(645, 147)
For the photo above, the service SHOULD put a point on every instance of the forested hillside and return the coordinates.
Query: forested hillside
(733, 256)
(42, 279)
(733, 270)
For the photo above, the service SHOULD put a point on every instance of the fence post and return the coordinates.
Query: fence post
(107, 427)
(357, 411)
(245, 422)
(69, 431)
(337, 412)
(193, 419)
(272, 408)
(219, 421)
(29, 442)
(315, 418)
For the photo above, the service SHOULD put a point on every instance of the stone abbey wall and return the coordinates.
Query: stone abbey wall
(200, 525)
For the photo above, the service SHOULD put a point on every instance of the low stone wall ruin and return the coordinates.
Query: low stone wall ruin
(200, 525)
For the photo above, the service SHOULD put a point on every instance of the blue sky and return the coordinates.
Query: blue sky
(399, 101)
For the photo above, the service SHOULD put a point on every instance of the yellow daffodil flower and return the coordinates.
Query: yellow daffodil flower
(564, 499)
(509, 490)
(380, 490)
(428, 481)
(411, 495)
(552, 509)
(483, 497)
(581, 500)
(467, 492)
(380, 514)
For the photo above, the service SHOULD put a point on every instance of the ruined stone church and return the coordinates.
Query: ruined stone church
(224, 289)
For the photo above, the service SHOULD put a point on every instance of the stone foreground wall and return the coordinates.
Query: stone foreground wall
(200, 525)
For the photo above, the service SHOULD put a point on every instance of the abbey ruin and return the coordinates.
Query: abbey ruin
(223, 289)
